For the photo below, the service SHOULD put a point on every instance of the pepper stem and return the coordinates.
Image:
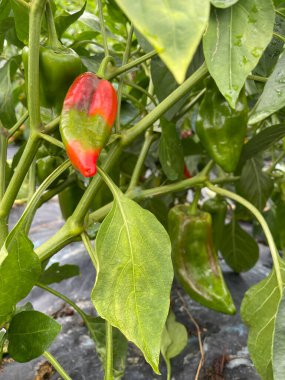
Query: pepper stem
(194, 205)
(53, 40)
(104, 65)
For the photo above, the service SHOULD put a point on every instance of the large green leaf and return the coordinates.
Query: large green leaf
(20, 269)
(30, 334)
(7, 106)
(238, 248)
(134, 272)
(273, 97)
(21, 14)
(254, 184)
(5, 8)
(97, 330)
(258, 310)
(58, 273)
(174, 28)
(223, 3)
(170, 151)
(235, 40)
(279, 342)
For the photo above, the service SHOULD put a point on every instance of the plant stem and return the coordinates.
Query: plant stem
(130, 65)
(50, 127)
(3, 158)
(52, 34)
(32, 179)
(168, 102)
(18, 124)
(188, 106)
(168, 367)
(102, 25)
(275, 162)
(141, 89)
(124, 62)
(64, 298)
(194, 204)
(279, 36)
(35, 22)
(24, 4)
(109, 352)
(52, 140)
(257, 78)
(57, 189)
(149, 138)
(89, 249)
(56, 365)
(261, 220)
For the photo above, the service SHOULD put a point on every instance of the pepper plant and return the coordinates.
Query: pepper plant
(170, 136)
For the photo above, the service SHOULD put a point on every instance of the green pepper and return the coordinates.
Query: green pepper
(195, 259)
(46, 165)
(222, 129)
(217, 207)
(69, 198)
(58, 68)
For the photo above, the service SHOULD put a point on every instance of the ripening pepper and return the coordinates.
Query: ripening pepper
(58, 68)
(217, 207)
(222, 129)
(88, 113)
(195, 259)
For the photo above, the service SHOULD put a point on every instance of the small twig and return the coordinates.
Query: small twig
(201, 362)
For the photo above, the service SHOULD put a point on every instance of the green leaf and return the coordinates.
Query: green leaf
(5, 8)
(30, 334)
(97, 329)
(258, 310)
(66, 19)
(262, 141)
(223, 3)
(174, 29)
(58, 273)
(174, 338)
(20, 269)
(279, 341)
(238, 248)
(134, 271)
(171, 151)
(254, 184)
(235, 40)
(6, 24)
(21, 14)
(7, 106)
(272, 98)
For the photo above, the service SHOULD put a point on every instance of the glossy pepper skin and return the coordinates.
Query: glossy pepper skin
(195, 259)
(217, 207)
(88, 113)
(69, 198)
(58, 68)
(222, 129)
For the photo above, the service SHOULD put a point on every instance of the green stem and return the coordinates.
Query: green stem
(52, 140)
(279, 13)
(18, 124)
(261, 220)
(57, 189)
(257, 78)
(26, 218)
(168, 102)
(49, 357)
(279, 36)
(52, 34)
(109, 352)
(16, 182)
(130, 65)
(35, 22)
(32, 179)
(104, 65)
(124, 62)
(3, 158)
(149, 138)
(102, 25)
(168, 367)
(24, 4)
(64, 298)
(275, 162)
(141, 89)
(194, 205)
(89, 249)
(50, 127)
